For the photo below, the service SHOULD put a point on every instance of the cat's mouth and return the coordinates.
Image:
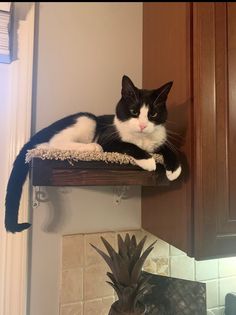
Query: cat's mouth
(143, 131)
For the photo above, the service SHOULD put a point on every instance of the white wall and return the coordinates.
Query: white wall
(83, 51)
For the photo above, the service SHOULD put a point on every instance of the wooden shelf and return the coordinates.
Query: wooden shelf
(62, 173)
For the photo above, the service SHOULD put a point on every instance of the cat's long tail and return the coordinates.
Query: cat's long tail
(14, 190)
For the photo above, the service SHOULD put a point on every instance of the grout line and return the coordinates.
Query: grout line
(218, 284)
(170, 271)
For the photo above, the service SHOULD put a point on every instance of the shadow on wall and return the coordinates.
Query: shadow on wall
(58, 212)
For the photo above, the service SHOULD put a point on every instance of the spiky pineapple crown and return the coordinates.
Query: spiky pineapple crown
(126, 277)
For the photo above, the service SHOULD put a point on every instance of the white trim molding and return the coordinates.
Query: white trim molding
(17, 114)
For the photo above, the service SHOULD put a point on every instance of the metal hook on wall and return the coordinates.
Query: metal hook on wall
(39, 195)
(120, 192)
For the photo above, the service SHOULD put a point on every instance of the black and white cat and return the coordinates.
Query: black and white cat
(137, 129)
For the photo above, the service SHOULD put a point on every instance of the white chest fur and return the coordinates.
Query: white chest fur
(146, 141)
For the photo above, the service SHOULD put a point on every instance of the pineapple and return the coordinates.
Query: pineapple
(126, 277)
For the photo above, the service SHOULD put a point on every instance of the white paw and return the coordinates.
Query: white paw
(173, 175)
(93, 147)
(147, 164)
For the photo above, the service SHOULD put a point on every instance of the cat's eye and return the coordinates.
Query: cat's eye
(134, 112)
(153, 115)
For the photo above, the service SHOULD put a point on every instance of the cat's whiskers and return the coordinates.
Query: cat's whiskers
(174, 135)
(171, 146)
(173, 138)
(110, 137)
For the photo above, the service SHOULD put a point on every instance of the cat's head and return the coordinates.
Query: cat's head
(142, 110)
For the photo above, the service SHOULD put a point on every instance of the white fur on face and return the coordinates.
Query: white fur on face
(143, 118)
(148, 139)
(141, 124)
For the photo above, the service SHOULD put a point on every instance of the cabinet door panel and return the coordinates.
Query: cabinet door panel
(215, 128)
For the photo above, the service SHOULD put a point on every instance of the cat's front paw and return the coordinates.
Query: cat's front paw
(93, 147)
(147, 164)
(175, 174)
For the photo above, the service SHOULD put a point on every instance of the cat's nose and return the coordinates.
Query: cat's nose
(142, 126)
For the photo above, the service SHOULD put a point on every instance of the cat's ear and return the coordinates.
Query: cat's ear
(128, 89)
(162, 92)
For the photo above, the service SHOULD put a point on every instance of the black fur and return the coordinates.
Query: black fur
(169, 156)
(106, 134)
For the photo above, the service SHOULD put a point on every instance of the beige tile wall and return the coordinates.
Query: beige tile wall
(84, 290)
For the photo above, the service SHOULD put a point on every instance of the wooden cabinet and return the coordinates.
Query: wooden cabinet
(194, 44)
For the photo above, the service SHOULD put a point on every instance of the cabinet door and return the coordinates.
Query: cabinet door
(214, 56)
(167, 211)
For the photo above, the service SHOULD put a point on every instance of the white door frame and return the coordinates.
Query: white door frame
(16, 79)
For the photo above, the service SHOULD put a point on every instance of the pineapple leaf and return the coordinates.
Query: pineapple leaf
(133, 245)
(119, 287)
(133, 241)
(152, 245)
(118, 267)
(118, 291)
(121, 268)
(109, 248)
(137, 253)
(107, 259)
(117, 284)
(139, 264)
(123, 249)
(111, 276)
(127, 240)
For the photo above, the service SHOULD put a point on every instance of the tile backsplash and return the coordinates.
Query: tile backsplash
(84, 290)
